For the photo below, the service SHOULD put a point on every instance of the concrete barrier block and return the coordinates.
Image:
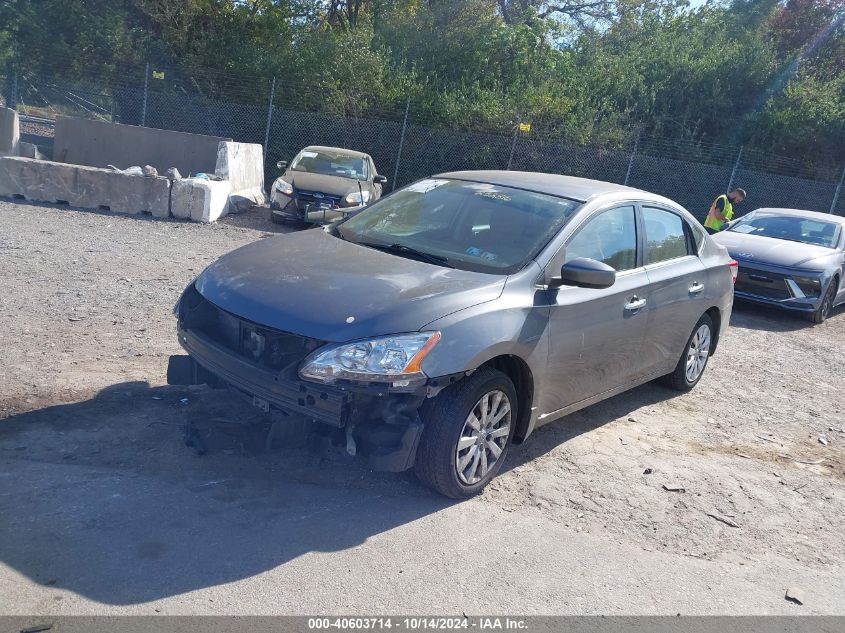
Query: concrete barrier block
(19, 179)
(86, 187)
(242, 164)
(10, 132)
(200, 200)
(99, 143)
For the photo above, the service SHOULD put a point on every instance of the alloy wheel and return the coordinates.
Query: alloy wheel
(483, 437)
(699, 350)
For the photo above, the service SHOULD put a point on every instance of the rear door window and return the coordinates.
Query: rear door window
(665, 235)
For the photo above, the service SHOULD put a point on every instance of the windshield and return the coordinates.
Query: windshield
(330, 163)
(468, 225)
(789, 227)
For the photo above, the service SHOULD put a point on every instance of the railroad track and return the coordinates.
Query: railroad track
(26, 118)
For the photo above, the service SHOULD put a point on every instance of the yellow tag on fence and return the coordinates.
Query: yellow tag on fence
(524, 127)
(158, 74)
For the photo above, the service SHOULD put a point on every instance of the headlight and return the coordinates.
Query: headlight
(810, 286)
(395, 359)
(355, 198)
(284, 187)
(189, 298)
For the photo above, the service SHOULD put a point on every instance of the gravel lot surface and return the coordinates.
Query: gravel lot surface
(104, 510)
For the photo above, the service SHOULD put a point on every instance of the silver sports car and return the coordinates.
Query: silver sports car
(789, 258)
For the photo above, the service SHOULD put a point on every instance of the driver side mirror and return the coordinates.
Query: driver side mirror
(584, 272)
(282, 164)
(380, 180)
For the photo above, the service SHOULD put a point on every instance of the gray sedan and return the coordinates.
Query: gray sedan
(789, 258)
(452, 318)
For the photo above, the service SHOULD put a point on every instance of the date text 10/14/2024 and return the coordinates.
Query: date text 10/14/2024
(417, 623)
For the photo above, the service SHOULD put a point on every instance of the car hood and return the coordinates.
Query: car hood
(335, 185)
(770, 250)
(317, 285)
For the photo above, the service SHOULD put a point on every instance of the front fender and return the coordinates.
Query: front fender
(510, 325)
(473, 336)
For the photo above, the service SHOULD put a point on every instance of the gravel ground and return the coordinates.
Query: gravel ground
(104, 510)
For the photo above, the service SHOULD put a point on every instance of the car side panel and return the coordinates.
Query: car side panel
(595, 342)
(719, 290)
(518, 323)
(674, 307)
(840, 270)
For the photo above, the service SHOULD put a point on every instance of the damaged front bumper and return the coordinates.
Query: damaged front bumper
(285, 207)
(291, 208)
(384, 425)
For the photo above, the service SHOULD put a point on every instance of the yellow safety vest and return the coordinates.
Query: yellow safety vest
(712, 222)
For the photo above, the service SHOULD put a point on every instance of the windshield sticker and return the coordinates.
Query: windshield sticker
(309, 154)
(424, 186)
(494, 195)
(477, 252)
(744, 228)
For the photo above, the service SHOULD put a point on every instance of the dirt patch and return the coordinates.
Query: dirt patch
(88, 297)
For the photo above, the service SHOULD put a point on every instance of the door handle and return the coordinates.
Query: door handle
(635, 304)
(695, 288)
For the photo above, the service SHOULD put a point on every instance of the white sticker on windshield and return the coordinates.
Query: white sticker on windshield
(424, 186)
(309, 154)
(743, 228)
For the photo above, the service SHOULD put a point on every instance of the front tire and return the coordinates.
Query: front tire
(468, 430)
(691, 365)
(826, 306)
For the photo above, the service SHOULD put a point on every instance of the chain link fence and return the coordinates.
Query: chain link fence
(405, 142)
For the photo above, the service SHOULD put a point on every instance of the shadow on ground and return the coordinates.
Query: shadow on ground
(258, 218)
(752, 316)
(103, 498)
(553, 434)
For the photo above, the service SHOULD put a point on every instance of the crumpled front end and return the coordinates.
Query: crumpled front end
(376, 421)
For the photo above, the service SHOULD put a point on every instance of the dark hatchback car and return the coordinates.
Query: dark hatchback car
(321, 183)
(791, 259)
(452, 318)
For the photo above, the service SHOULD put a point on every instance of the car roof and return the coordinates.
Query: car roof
(579, 189)
(801, 213)
(337, 150)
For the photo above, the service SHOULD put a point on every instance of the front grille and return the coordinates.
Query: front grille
(314, 198)
(273, 349)
(762, 283)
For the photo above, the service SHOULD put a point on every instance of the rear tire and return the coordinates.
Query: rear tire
(826, 306)
(454, 457)
(693, 361)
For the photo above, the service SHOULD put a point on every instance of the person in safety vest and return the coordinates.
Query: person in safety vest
(722, 210)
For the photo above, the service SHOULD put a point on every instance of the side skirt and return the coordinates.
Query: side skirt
(545, 418)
